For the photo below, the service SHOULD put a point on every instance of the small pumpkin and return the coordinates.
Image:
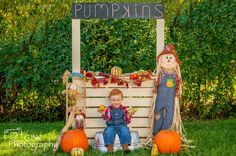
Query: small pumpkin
(101, 108)
(168, 141)
(132, 110)
(116, 71)
(72, 139)
(77, 152)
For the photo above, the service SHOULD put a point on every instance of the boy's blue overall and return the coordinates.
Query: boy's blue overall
(164, 107)
(115, 126)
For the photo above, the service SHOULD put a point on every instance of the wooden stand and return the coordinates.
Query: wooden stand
(140, 97)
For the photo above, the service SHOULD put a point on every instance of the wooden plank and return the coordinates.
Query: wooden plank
(138, 102)
(91, 132)
(142, 112)
(92, 112)
(160, 36)
(147, 83)
(141, 131)
(91, 92)
(75, 45)
(160, 25)
(99, 123)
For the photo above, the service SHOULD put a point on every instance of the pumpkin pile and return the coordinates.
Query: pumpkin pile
(168, 141)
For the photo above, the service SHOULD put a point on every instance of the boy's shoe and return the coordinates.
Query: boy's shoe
(110, 149)
(126, 148)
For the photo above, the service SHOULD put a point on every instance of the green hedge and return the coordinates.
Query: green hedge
(205, 33)
(35, 50)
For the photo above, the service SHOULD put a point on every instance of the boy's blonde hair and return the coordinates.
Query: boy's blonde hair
(115, 92)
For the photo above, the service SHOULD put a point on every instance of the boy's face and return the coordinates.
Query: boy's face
(116, 100)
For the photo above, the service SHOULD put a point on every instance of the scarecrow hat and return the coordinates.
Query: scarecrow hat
(169, 49)
(80, 113)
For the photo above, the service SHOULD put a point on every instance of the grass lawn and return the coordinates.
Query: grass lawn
(211, 138)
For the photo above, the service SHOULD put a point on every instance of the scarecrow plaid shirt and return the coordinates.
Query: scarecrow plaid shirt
(106, 115)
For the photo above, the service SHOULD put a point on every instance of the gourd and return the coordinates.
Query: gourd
(116, 71)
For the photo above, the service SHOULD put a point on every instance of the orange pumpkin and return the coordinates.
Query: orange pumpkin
(168, 141)
(74, 138)
(116, 71)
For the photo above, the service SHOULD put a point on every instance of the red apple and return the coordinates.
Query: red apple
(105, 81)
(138, 82)
(120, 82)
(94, 82)
(89, 74)
(83, 71)
(114, 79)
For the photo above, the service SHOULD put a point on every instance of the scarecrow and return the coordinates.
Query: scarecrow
(79, 120)
(168, 89)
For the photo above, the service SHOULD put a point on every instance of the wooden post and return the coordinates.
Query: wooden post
(160, 41)
(75, 45)
(75, 52)
(160, 38)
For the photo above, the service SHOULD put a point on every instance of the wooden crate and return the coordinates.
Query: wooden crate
(137, 97)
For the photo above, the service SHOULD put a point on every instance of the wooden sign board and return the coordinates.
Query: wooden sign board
(117, 10)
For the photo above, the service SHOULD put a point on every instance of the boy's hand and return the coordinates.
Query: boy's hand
(132, 111)
(100, 111)
(130, 115)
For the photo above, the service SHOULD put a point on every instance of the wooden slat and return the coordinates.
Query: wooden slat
(147, 83)
(142, 112)
(75, 45)
(160, 36)
(92, 112)
(98, 122)
(140, 102)
(91, 92)
(91, 132)
(141, 131)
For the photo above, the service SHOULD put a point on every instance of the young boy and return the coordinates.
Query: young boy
(117, 117)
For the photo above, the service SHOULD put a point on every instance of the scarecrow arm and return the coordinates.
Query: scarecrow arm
(178, 86)
(156, 84)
